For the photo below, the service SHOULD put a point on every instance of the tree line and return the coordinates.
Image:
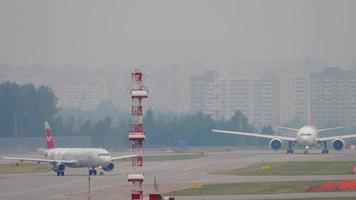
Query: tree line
(24, 108)
(166, 129)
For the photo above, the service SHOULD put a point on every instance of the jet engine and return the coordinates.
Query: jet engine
(59, 167)
(275, 144)
(108, 167)
(338, 144)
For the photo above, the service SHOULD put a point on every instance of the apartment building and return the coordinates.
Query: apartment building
(279, 98)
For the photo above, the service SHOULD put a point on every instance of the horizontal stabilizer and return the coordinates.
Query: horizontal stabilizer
(287, 128)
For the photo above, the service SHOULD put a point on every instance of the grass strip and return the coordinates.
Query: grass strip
(247, 188)
(293, 168)
(24, 168)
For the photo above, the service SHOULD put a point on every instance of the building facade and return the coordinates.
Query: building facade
(279, 98)
(333, 95)
(220, 96)
(207, 95)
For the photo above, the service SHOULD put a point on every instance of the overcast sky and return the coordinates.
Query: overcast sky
(175, 32)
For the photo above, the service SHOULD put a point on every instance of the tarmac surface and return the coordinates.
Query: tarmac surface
(170, 175)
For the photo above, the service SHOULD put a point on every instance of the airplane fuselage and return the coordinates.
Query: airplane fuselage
(307, 136)
(84, 157)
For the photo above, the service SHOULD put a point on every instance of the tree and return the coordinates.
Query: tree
(23, 109)
(102, 126)
(267, 130)
(86, 128)
(239, 122)
(149, 126)
(68, 127)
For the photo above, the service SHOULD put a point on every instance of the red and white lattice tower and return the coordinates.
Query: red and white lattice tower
(137, 135)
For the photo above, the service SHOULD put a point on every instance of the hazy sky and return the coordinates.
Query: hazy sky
(175, 32)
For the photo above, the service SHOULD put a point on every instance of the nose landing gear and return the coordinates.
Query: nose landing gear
(60, 173)
(101, 173)
(306, 149)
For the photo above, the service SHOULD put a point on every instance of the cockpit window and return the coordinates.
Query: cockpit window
(305, 134)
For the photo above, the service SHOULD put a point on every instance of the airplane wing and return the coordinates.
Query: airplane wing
(292, 139)
(40, 160)
(328, 129)
(325, 139)
(122, 157)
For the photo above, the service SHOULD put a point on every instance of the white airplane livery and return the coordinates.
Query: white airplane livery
(60, 158)
(306, 136)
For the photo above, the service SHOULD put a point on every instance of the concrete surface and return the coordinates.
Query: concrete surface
(171, 175)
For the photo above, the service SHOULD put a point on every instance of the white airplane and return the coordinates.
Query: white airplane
(60, 158)
(306, 136)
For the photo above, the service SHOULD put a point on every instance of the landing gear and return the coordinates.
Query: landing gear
(306, 149)
(92, 172)
(60, 173)
(325, 151)
(324, 147)
(290, 148)
(101, 173)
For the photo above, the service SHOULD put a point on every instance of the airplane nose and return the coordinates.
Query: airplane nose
(304, 139)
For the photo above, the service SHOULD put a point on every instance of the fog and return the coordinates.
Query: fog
(175, 32)
(94, 46)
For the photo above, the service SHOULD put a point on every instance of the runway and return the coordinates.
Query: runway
(171, 175)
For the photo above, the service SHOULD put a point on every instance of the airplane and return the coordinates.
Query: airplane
(60, 158)
(306, 136)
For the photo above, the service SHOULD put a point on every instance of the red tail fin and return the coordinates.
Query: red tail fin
(49, 138)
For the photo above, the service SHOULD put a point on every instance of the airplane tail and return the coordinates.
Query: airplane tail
(309, 110)
(49, 137)
(309, 119)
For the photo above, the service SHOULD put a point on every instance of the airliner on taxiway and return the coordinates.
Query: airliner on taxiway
(306, 136)
(60, 158)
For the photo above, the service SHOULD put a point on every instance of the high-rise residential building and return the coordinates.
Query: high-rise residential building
(239, 96)
(221, 95)
(333, 95)
(207, 94)
(265, 109)
(253, 95)
(278, 98)
(293, 93)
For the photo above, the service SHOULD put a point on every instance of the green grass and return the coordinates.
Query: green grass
(248, 188)
(24, 168)
(175, 156)
(294, 168)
